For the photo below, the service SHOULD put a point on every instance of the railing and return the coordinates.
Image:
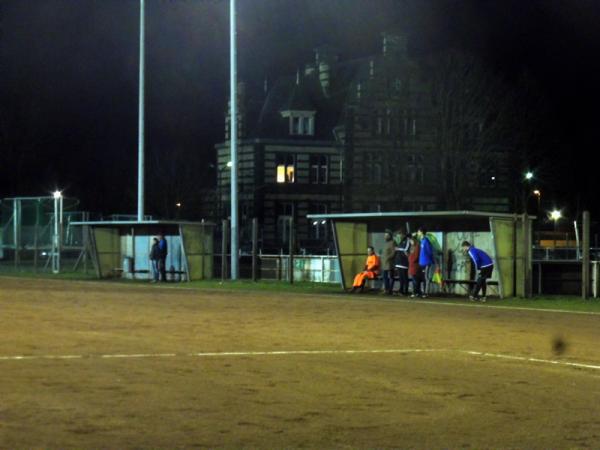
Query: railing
(562, 253)
(316, 268)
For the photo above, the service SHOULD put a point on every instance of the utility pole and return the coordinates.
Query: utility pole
(140, 209)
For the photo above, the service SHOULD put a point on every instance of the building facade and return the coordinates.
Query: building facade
(344, 136)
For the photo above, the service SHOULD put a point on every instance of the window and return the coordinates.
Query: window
(285, 168)
(302, 123)
(379, 125)
(373, 168)
(285, 215)
(319, 169)
(415, 171)
(397, 84)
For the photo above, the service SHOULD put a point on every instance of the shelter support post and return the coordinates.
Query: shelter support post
(254, 249)
(224, 235)
(585, 260)
(291, 252)
(527, 256)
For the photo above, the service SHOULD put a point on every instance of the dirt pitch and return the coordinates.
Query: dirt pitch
(117, 366)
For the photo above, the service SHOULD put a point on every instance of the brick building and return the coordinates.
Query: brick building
(342, 136)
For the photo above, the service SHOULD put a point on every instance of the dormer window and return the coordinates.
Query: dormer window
(301, 123)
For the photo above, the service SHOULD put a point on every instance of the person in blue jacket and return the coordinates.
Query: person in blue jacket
(426, 258)
(485, 266)
(163, 251)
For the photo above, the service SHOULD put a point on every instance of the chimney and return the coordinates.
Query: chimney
(325, 57)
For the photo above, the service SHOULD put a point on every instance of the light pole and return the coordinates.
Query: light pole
(140, 208)
(555, 215)
(233, 141)
(527, 177)
(538, 197)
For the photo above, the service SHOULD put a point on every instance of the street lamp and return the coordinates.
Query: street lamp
(56, 238)
(528, 175)
(538, 196)
(555, 214)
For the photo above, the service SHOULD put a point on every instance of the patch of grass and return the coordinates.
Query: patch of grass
(44, 274)
(558, 302)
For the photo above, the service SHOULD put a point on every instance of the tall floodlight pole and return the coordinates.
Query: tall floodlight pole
(233, 141)
(140, 209)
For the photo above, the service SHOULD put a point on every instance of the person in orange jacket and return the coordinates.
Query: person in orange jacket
(371, 270)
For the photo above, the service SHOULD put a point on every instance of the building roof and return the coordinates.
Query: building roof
(135, 223)
(418, 214)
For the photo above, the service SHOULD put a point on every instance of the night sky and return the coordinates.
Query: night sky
(68, 85)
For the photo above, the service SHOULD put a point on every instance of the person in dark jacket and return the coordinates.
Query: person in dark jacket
(484, 264)
(155, 260)
(401, 261)
(414, 269)
(426, 258)
(163, 252)
(387, 262)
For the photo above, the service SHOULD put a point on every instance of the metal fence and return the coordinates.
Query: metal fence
(563, 253)
(36, 233)
(316, 268)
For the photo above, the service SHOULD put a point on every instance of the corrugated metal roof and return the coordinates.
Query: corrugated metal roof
(449, 214)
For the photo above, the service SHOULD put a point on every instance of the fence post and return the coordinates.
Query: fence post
(291, 252)
(224, 235)
(254, 249)
(585, 262)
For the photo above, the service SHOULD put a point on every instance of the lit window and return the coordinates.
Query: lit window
(285, 168)
(281, 174)
(289, 174)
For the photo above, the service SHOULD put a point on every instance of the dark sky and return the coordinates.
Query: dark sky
(69, 77)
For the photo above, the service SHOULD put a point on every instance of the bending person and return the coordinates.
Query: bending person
(485, 266)
(371, 270)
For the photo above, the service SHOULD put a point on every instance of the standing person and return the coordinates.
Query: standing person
(155, 260)
(426, 258)
(401, 261)
(387, 262)
(163, 252)
(485, 266)
(414, 269)
(371, 270)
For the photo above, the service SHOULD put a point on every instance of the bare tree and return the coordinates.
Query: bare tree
(471, 108)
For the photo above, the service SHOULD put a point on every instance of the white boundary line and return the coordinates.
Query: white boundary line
(300, 352)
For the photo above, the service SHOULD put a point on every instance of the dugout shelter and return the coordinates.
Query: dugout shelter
(122, 248)
(505, 237)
